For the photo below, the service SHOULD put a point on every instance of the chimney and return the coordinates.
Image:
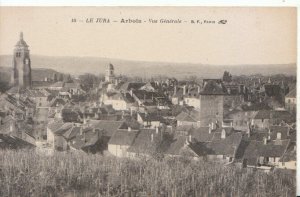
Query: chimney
(278, 136)
(209, 129)
(175, 89)
(131, 92)
(199, 89)
(190, 138)
(156, 130)
(265, 140)
(198, 123)
(223, 134)
(129, 129)
(213, 126)
(248, 131)
(11, 127)
(184, 90)
(288, 131)
(152, 137)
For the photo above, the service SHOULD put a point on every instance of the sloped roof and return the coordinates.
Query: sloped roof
(227, 146)
(255, 149)
(290, 154)
(132, 85)
(202, 134)
(108, 126)
(55, 125)
(151, 117)
(143, 144)
(11, 142)
(176, 145)
(57, 101)
(263, 114)
(123, 137)
(58, 84)
(72, 132)
(291, 94)
(192, 116)
(213, 87)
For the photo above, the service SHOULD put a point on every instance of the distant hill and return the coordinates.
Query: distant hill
(38, 74)
(96, 65)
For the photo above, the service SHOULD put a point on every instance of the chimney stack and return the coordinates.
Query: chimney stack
(190, 138)
(278, 136)
(152, 137)
(223, 134)
(265, 140)
(129, 129)
(156, 130)
(184, 90)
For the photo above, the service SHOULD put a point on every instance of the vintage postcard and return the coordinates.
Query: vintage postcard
(148, 101)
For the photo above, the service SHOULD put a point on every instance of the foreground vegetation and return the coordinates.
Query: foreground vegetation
(26, 173)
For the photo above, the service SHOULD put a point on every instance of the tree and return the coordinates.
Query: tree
(55, 77)
(61, 77)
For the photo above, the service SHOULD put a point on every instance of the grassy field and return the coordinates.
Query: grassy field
(26, 173)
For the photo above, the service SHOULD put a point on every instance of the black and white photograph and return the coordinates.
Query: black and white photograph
(148, 101)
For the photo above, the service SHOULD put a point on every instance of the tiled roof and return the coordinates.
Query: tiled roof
(291, 94)
(123, 137)
(132, 85)
(256, 149)
(108, 126)
(227, 146)
(55, 125)
(143, 144)
(72, 132)
(290, 154)
(58, 84)
(11, 142)
(57, 101)
(150, 117)
(176, 145)
(202, 134)
(64, 128)
(192, 116)
(263, 114)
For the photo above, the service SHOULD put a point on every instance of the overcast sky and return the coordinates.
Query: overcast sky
(251, 35)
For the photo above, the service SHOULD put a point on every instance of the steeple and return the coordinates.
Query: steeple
(21, 35)
(21, 74)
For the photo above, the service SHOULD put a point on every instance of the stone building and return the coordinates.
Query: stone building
(212, 102)
(21, 73)
(109, 74)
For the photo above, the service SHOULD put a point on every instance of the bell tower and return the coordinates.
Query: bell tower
(109, 74)
(21, 73)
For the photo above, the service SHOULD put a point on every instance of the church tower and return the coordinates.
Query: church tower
(109, 74)
(21, 73)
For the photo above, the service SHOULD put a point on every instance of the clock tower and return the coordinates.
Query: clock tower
(21, 73)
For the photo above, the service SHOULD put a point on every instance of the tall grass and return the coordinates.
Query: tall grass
(27, 173)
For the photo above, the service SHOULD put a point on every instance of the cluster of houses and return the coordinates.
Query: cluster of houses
(251, 124)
